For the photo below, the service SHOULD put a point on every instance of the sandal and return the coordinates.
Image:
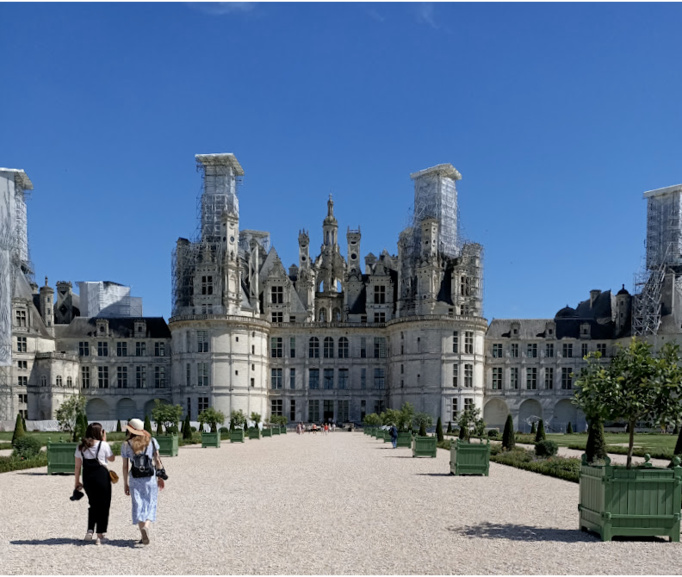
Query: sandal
(145, 536)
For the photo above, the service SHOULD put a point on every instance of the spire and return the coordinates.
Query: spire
(330, 207)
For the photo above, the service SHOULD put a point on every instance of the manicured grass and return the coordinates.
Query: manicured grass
(55, 437)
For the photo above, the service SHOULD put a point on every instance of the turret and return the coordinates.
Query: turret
(353, 239)
(47, 304)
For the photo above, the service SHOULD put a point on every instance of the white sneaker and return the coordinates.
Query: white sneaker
(89, 535)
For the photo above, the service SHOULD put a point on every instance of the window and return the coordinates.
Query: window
(601, 349)
(202, 404)
(277, 317)
(549, 378)
(188, 374)
(276, 407)
(140, 349)
(292, 318)
(468, 375)
(379, 378)
(276, 347)
(531, 378)
(21, 318)
(21, 345)
(328, 348)
(313, 410)
(329, 378)
(292, 347)
(58, 381)
(22, 365)
(188, 341)
(343, 412)
(122, 349)
(43, 381)
(469, 342)
(202, 374)
(363, 347)
(566, 378)
(276, 378)
(363, 378)
(567, 350)
(455, 342)
(343, 379)
(159, 349)
(85, 377)
(343, 348)
(160, 377)
(23, 381)
(379, 347)
(140, 377)
(122, 377)
(378, 407)
(103, 377)
(313, 379)
(292, 378)
(277, 294)
(69, 382)
(583, 350)
(468, 404)
(497, 350)
(514, 350)
(549, 350)
(379, 294)
(497, 379)
(454, 409)
(206, 285)
(84, 349)
(253, 382)
(23, 398)
(102, 349)
(202, 341)
(314, 348)
(514, 378)
(379, 317)
(292, 410)
(532, 350)
(253, 349)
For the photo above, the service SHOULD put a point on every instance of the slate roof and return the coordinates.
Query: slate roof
(528, 328)
(121, 327)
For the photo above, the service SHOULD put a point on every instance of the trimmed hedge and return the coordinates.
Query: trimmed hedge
(567, 469)
(8, 464)
(26, 447)
(546, 449)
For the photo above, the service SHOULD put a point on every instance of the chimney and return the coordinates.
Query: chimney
(593, 296)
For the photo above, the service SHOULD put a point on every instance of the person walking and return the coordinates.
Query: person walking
(141, 452)
(91, 457)
(394, 435)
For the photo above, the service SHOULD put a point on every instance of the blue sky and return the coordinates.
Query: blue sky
(558, 116)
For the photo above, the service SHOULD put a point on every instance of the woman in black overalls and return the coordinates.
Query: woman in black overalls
(91, 454)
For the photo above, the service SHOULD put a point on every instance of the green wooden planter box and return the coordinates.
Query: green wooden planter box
(404, 439)
(168, 445)
(237, 436)
(469, 458)
(254, 433)
(210, 440)
(283, 430)
(637, 502)
(266, 432)
(61, 457)
(275, 430)
(424, 446)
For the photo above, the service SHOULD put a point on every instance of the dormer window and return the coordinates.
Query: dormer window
(207, 285)
(277, 293)
(140, 328)
(102, 327)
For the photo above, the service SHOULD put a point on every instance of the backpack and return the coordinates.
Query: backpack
(141, 464)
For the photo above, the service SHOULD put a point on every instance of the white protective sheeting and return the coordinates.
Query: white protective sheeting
(7, 211)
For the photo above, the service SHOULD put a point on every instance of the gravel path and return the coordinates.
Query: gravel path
(343, 503)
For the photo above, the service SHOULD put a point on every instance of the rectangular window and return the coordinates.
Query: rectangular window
(514, 378)
(277, 317)
(277, 293)
(469, 342)
(103, 377)
(601, 349)
(159, 349)
(454, 409)
(378, 407)
(532, 350)
(202, 341)
(363, 378)
(328, 378)
(549, 378)
(188, 374)
(85, 377)
(160, 377)
(468, 376)
(21, 318)
(314, 348)
(253, 382)
(343, 412)
(583, 350)
(379, 347)
(22, 365)
(84, 349)
(292, 347)
(202, 404)
(531, 378)
(497, 350)
(468, 404)
(140, 377)
(122, 377)
(140, 349)
(328, 348)
(343, 379)
(566, 378)
(497, 379)
(206, 285)
(276, 407)
(567, 350)
(203, 374)
(455, 342)
(121, 349)
(549, 350)
(292, 410)
(292, 378)
(102, 349)
(343, 348)
(514, 350)
(23, 399)
(276, 378)
(379, 317)
(379, 294)
(22, 381)
(313, 410)
(455, 375)
(276, 347)
(363, 347)
(379, 378)
(313, 379)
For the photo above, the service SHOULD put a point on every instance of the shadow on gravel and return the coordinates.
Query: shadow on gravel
(435, 474)
(43, 474)
(514, 532)
(126, 543)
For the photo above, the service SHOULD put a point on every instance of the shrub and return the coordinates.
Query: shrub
(147, 424)
(540, 434)
(118, 426)
(449, 427)
(439, 431)
(26, 447)
(569, 428)
(68, 413)
(212, 418)
(508, 440)
(422, 420)
(166, 416)
(186, 429)
(546, 449)
(223, 430)
(193, 429)
(19, 430)
(533, 430)
(13, 464)
(493, 433)
(560, 467)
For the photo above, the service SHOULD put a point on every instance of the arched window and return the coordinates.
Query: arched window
(314, 348)
(337, 315)
(59, 381)
(328, 348)
(323, 315)
(343, 348)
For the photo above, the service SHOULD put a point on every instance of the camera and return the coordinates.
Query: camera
(162, 474)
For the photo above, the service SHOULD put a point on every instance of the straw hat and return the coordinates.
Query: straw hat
(136, 427)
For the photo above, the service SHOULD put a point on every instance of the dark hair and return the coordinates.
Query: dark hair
(93, 433)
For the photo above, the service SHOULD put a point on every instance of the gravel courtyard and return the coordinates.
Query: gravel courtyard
(343, 503)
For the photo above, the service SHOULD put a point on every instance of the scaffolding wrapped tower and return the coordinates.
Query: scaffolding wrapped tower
(663, 234)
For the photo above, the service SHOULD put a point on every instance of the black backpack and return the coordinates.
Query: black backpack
(141, 464)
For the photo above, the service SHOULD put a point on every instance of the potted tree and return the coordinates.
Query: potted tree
(61, 457)
(637, 385)
(405, 418)
(255, 432)
(280, 421)
(167, 417)
(467, 458)
(212, 418)
(422, 444)
(371, 422)
(237, 426)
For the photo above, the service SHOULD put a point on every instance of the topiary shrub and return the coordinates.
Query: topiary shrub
(19, 430)
(186, 429)
(540, 435)
(193, 429)
(546, 449)
(439, 431)
(449, 431)
(223, 430)
(569, 428)
(462, 433)
(26, 447)
(508, 438)
(533, 430)
(493, 433)
(118, 426)
(147, 424)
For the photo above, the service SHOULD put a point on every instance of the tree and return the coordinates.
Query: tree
(372, 420)
(187, 429)
(405, 417)
(68, 413)
(678, 445)
(540, 434)
(23, 421)
(147, 424)
(462, 433)
(508, 438)
(166, 416)
(449, 427)
(422, 420)
(118, 426)
(279, 420)
(637, 385)
(469, 420)
(255, 417)
(595, 447)
(237, 420)
(439, 431)
(390, 417)
(212, 418)
(19, 430)
(569, 428)
(533, 430)
(81, 427)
